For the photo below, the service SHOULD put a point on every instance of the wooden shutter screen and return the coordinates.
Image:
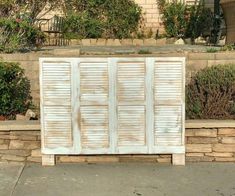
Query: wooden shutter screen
(112, 105)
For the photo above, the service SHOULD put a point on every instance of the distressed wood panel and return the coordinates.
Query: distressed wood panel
(168, 82)
(130, 82)
(131, 126)
(167, 125)
(94, 83)
(94, 127)
(56, 79)
(131, 106)
(168, 92)
(112, 105)
(94, 105)
(56, 104)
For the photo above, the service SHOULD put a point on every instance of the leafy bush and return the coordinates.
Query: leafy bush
(184, 21)
(101, 18)
(14, 90)
(81, 25)
(34, 8)
(18, 34)
(211, 93)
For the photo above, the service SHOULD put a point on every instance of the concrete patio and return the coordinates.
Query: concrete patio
(126, 179)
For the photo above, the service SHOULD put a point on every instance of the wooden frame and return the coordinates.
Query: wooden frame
(150, 147)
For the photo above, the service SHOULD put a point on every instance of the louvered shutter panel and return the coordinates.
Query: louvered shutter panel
(112, 105)
(56, 106)
(169, 104)
(131, 105)
(94, 106)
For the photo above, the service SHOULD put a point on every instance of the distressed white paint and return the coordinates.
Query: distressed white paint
(112, 105)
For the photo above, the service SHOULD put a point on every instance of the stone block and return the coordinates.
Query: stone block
(86, 42)
(113, 42)
(13, 158)
(74, 42)
(196, 65)
(226, 131)
(4, 132)
(228, 140)
(190, 132)
(138, 42)
(8, 137)
(110, 42)
(200, 159)
(4, 146)
(202, 140)
(27, 137)
(225, 159)
(219, 154)
(161, 42)
(201, 132)
(199, 148)
(16, 144)
(2, 141)
(31, 145)
(201, 56)
(220, 62)
(19, 145)
(224, 147)
(101, 42)
(149, 42)
(93, 42)
(225, 56)
(67, 52)
(117, 42)
(127, 42)
(36, 153)
(196, 154)
(22, 153)
(19, 133)
(34, 159)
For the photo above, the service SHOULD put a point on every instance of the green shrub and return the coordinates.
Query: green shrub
(144, 51)
(101, 18)
(14, 90)
(19, 34)
(81, 25)
(211, 93)
(212, 50)
(184, 21)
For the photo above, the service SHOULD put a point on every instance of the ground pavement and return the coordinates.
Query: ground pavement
(118, 179)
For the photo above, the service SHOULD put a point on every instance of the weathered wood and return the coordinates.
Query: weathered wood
(112, 105)
(48, 160)
(178, 159)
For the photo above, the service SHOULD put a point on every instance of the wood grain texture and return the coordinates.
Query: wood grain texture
(112, 105)
(56, 96)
